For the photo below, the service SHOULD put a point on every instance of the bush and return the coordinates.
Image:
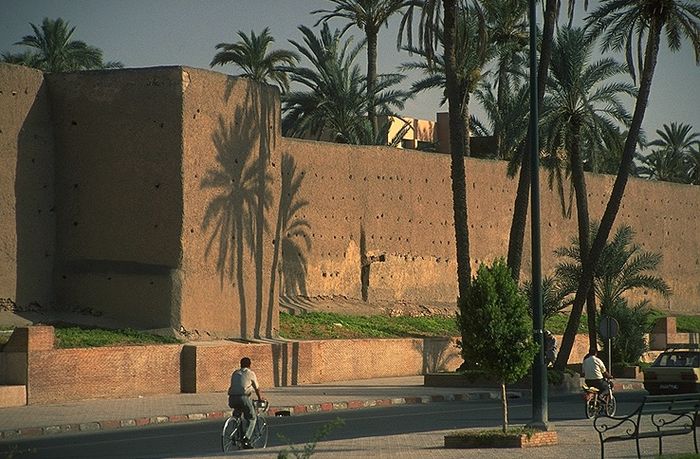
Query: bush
(629, 345)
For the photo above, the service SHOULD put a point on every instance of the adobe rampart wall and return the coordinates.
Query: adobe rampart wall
(391, 210)
(178, 205)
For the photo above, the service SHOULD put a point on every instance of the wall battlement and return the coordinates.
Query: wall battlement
(166, 198)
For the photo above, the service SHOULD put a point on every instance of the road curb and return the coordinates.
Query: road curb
(130, 423)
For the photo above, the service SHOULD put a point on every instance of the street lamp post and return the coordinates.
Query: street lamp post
(540, 416)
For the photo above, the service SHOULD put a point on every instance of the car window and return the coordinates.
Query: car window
(678, 359)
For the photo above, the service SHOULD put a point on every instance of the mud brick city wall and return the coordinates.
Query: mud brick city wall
(27, 207)
(379, 224)
(178, 205)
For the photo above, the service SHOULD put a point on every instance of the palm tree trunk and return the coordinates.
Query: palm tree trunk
(582, 215)
(500, 96)
(371, 78)
(457, 147)
(589, 262)
(517, 227)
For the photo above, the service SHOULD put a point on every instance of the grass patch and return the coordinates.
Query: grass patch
(495, 434)
(71, 336)
(325, 325)
(557, 324)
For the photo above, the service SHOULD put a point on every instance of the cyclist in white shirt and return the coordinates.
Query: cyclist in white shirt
(595, 373)
(244, 383)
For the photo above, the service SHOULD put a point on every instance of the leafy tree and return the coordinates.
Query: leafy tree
(251, 54)
(54, 50)
(672, 160)
(626, 24)
(336, 100)
(496, 328)
(368, 16)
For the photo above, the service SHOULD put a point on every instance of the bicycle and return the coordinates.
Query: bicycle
(233, 431)
(597, 403)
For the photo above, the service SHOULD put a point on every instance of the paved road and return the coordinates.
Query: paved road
(364, 429)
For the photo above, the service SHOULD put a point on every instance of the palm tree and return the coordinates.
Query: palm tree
(508, 33)
(251, 54)
(622, 268)
(473, 53)
(508, 120)
(624, 24)
(670, 162)
(522, 194)
(336, 100)
(433, 13)
(581, 104)
(53, 50)
(694, 166)
(368, 16)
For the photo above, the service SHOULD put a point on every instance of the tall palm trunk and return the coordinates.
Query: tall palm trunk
(500, 97)
(582, 216)
(591, 260)
(371, 77)
(457, 149)
(522, 196)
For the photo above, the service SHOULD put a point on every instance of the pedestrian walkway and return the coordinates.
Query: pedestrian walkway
(105, 414)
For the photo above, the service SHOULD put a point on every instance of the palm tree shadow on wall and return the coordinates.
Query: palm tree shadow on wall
(232, 215)
(296, 241)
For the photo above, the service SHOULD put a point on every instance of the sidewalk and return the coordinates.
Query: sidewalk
(105, 414)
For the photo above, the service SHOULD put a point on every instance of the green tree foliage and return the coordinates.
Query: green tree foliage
(496, 327)
(334, 101)
(630, 344)
(251, 54)
(52, 49)
(368, 16)
(622, 268)
(630, 25)
(472, 54)
(674, 158)
(552, 296)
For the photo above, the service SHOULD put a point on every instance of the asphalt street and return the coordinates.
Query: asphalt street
(202, 439)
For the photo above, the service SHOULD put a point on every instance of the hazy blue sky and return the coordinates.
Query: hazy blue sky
(144, 33)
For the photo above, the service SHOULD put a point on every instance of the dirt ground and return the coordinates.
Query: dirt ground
(343, 305)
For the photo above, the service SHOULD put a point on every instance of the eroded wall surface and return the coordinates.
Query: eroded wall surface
(377, 223)
(27, 208)
(119, 193)
(231, 179)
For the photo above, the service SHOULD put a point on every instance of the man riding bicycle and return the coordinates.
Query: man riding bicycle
(595, 373)
(244, 383)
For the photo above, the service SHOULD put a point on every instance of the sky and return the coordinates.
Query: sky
(146, 33)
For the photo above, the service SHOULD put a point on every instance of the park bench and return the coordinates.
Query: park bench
(658, 416)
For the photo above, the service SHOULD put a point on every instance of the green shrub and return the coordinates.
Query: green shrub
(496, 327)
(629, 345)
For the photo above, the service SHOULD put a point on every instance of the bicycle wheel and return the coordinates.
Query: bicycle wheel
(260, 433)
(591, 407)
(611, 405)
(229, 435)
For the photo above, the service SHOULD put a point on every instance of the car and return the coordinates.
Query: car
(675, 371)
